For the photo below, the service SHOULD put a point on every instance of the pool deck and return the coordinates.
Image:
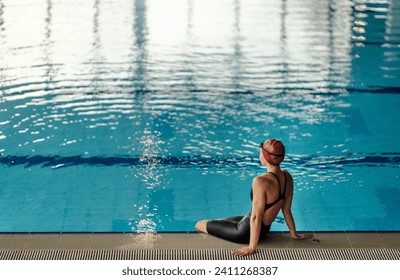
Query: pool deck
(190, 240)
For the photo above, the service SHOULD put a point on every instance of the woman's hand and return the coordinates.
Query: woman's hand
(245, 251)
(301, 236)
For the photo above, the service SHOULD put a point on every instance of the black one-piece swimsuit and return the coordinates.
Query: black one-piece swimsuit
(237, 228)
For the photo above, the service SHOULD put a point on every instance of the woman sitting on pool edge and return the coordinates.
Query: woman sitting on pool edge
(270, 193)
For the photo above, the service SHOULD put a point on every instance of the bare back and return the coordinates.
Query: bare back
(278, 192)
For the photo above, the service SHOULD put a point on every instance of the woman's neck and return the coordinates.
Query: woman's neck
(273, 168)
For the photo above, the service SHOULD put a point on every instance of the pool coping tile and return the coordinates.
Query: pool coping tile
(106, 241)
(365, 240)
(13, 241)
(42, 241)
(203, 241)
(172, 241)
(75, 241)
(390, 240)
(332, 240)
(136, 241)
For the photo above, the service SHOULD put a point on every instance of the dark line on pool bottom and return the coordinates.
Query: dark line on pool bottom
(330, 91)
(324, 162)
(186, 232)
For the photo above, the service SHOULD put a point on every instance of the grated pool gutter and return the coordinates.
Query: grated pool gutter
(190, 254)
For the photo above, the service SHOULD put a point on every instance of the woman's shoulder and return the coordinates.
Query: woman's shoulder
(263, 179)
(260, 178)
(287, 173)
(261, 183)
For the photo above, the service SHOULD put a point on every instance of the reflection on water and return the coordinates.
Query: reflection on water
(152, 175)
(154, 86)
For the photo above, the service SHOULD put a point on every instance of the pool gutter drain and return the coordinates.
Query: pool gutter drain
(189, 254)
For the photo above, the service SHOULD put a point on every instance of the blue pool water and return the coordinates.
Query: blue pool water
(146, 115)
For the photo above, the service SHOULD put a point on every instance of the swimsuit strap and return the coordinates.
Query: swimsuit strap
(279, 183)
(284, 188)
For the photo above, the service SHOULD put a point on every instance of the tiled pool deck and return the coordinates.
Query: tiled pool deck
(323, 240)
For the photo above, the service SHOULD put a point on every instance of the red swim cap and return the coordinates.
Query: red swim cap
(273, 151)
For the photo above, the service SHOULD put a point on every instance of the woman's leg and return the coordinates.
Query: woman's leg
(235, 229)
(202, 226)
(234, 218)
(232, 230)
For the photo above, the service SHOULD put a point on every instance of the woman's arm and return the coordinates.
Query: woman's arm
(256, 217)
(290, 223)
(287, 212)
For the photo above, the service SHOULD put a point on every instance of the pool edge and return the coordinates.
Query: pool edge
(192, 240)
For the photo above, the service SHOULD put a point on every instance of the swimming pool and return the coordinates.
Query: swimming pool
(120, 116)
